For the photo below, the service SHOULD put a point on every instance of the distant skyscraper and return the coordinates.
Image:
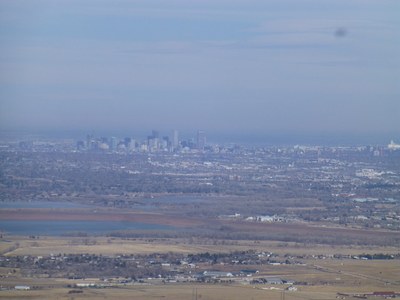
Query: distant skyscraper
(113, 143)
(132, 145)
(127, 142)
(165, 143)
(201, 139)
(153, 141)
(175, 139)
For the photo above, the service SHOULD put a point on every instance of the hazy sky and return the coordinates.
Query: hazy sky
(260, 66)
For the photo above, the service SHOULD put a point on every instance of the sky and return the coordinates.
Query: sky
(244, 67)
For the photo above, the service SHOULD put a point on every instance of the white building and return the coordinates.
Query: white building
(393, 146)
(22, 287)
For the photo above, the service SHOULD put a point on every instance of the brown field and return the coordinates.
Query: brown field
(312, 232)
(114, 246)
(325, 277)
(154, 292)
(188, 291)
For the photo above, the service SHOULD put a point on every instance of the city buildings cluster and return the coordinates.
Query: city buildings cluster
(153, 143)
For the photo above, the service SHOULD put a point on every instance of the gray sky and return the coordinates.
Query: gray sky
(268, 67)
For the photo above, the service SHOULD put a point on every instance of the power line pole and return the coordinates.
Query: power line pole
(194, 294)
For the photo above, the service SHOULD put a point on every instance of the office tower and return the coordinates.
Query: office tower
(132, 145)
(153, 141)
(127, 142)
(113, 143)
(175, 139)
(165, 143)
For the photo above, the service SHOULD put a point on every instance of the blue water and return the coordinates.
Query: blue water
(54, 228)
(41, 204)
(146, 203)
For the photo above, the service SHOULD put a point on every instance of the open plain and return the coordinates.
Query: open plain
(320, 271)
(266, 223)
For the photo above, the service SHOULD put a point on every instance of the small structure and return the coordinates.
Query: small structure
(22, 287)
(248, 272)
(274, 280)
(216, 274)
(85, 285)
(384, 294)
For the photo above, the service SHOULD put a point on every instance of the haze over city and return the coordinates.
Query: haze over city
(209, 149)
(255, 68)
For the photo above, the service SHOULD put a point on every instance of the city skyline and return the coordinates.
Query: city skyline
(281, 68)
(213, 137)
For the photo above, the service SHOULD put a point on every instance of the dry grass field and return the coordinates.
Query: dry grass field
(325, 277)
(183, 292)
(18, 245)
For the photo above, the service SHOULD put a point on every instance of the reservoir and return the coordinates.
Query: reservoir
(56, 228)
(41, 204)
(77, 227)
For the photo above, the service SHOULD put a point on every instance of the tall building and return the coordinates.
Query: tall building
(165, 143)
(113, 143)
(201, 139)
(132, 145)
(127, 142)
(175, 139)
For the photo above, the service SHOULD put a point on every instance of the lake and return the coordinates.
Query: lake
(41, 204)
(55, 228)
